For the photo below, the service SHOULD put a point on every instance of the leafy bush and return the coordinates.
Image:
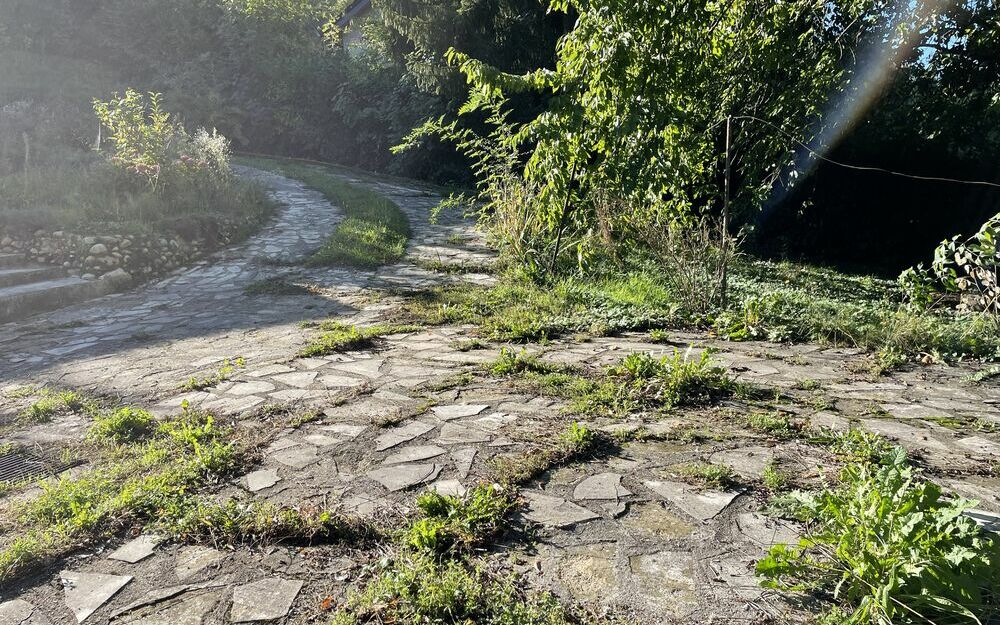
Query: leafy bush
(887, 547)
(641, 381)
(121, 426)
(458, 523)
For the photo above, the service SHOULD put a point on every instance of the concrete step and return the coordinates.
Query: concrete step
(24, 300)
(11, 260)
(25, 275)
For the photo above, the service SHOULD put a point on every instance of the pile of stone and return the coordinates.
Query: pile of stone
(139, 255)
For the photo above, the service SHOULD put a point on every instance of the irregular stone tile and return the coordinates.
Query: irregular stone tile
(298, 457)
(747, 461)
(907, 435)
(181, 605)
(414, 453)
(20, 612)
(402, 434)
(455, 434)
(765, 531)
(340, 381)
(259, 480)
(666, 579)
(493, 422)
(702, 506)
(368, 368)
(294, 394)
(232, 405)
(555, 511)
(601, 486)
(651, 517)
(463, 459)
(270, 370)
(452, 488)
(980, 445)
(136, 549)
(830, 421)
(456, 411)
(320, 440)
(915, 411)
(281, 443)
(250, 388)
(194, 559)
(85, 593)
(502, 441)
(264, 600)
(402, 476)
(345, 430)
(588, 573)
(299, 379)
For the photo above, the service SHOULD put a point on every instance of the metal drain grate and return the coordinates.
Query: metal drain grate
(17, 466)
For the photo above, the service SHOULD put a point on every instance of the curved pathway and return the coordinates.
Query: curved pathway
(620, 532)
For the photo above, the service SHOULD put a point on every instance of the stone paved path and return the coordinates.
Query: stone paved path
(620, 533)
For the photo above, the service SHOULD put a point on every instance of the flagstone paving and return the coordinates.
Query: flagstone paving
(619, 532)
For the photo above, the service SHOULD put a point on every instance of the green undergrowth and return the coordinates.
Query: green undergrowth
(639, 382)
(884, 545)
(340, 337)
(54, 402)
(144, 473)
(374, 231)
(780, 302)
(573, 443)
(435, 575)
(226, 370)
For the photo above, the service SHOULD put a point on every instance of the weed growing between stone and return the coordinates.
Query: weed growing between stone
(706, 475)
(885, 546)
(148, 474)
(340, 337)
(52, 403)
(278, 287)
(433, 575)
(575, 442)
(772, 424)
(225, 371)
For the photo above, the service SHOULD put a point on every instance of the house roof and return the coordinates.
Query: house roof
(353, 10)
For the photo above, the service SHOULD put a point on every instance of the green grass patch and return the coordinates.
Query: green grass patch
(124, 425)
(772, 423)
(226, 370)
(374, 231)
(706, 475)
(52, 403)
(340, 337)
(572, 443)
(458, 523)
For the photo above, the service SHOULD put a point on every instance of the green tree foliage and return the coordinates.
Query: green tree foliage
(642, 91)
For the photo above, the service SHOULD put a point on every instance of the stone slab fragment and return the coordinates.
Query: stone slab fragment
(137, 549)
(264, 600)
(402, 476)
(402, 434)
(555, 511)
(85, 593)
(702, 506)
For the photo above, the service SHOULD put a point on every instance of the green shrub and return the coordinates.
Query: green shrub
(53, 403)
(121, 426)
(642, 382)
(887, 547)
(450, 523)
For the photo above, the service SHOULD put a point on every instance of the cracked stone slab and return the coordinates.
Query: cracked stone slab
(299, 379)
(414, 453)
(452, 488)
(463, 459)
(402, 434)
(402, 476)
(194, 559)
(184, 605)
(259, 480)
(555, 511)
(346, 430)
(601, 486)
(457, 411)
(455, 434)
(137, 549)
(264, 600)
(321, 440)
(20, 612)
(85, 593)
(702, 506)
(298, 457)
(258, 387)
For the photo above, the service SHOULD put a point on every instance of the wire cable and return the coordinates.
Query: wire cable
(883, 170)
